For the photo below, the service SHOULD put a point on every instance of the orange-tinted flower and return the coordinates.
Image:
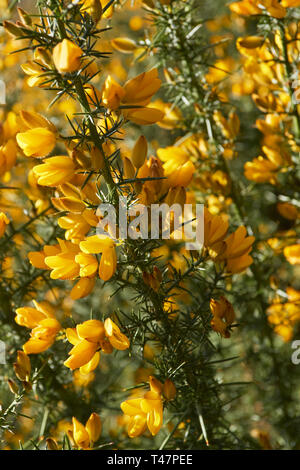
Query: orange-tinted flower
(223, 316)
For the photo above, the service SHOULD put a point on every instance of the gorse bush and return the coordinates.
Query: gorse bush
(142, 340)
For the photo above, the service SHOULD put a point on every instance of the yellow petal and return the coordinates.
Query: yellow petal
(91, 330)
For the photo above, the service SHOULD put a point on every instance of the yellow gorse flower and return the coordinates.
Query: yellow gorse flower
(40, 137)
(136, 95)
(283, 316)
(106, 246)
(146, 411)
(74, 259)
(41, 320)
(125, 45)
(67, 56)
(37, 142)
(54, 171)
(93, 8)
(233, 249)
(223, 316)
(88, 339)
(84, 437)
(63, 263)
(256, 7)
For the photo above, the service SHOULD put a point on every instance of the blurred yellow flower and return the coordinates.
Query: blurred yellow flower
(292, 253)
(223, 316)
(4, 221)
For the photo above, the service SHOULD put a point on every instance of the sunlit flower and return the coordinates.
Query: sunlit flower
(88, 339)
(84, 437)
(146, 411)
(41, 320)
(66, 56)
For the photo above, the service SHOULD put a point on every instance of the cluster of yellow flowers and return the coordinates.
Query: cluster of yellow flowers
(255, 7)
(90, 337)
(273, 99)
(41, 320)
(284, 315)
(102, 154)
(147, 411)
(232, 250)
(270, 67)
(82, 437)
(75, 257)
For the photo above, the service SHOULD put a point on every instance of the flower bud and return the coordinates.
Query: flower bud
(13, 386)
(66, 56)
(42, 56)
(139, 152)
(176, 195)
(98, 162)
(24, 17)
(251, 42)
(22, 366)
(129, 171)
(287, 210)
(80, 434)
(125, 45)
(35, 120)
(148, 3)
(146, 278)
(155, 384)
(51, 444)
(12, 29)
(94, 427)
(27, 386)
(155, 171)
(154, 283)
(157, 273)
(169, 389)
(80, 159)
(169, 77)
(95, 10)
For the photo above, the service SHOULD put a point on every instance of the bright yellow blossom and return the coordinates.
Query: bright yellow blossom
(37, 142)
(146, 411)
(84, 437)
(88, 338)
(54, 171)
(105, 246)
(67, 56)
(41, 320)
